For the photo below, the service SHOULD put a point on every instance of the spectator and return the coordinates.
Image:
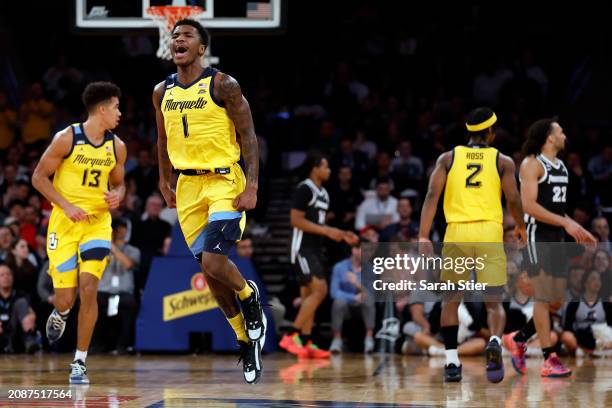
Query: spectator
(6, 240)
(116, 293)
(580, 182)
(364, 145)
(601, 229)
(25, 270)
(149, 235)
(581, 316)
(8, 122)
(424, 318)
(601, 263)
(349, 296)
(380, 210)
(405, 229)
(17, 319)
(36, 116)
(145, 175)
(347, 156)
(344, 198)
(29, 226)
(574, 282)
(407, 170)
(382, 170)
(244, 247)
(600, 167)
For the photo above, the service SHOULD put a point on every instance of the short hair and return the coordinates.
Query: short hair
(476, 117)
(383, 180)
(314, 158)
(204, 35)
(118, 222)
(537, 134)
(99, 91)
(586, 277)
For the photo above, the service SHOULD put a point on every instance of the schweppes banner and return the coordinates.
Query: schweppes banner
(197, 299)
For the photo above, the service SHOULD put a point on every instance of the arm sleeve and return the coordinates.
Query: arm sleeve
(301, 198)
(570, 316)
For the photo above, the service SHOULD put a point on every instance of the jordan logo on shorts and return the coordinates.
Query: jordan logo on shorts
(218, 246)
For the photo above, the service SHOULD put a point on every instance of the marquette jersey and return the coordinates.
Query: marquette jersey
(552, 191)
(83, 177)
(314, 201)
(200, 133)
(473, 186)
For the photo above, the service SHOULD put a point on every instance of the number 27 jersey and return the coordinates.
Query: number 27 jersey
(83, 177)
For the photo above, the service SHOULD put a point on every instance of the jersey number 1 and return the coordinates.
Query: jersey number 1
(475, 168)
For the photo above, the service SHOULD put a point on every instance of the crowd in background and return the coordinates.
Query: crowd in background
(382, 113)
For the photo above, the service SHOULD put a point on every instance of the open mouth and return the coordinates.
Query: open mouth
(180, 51)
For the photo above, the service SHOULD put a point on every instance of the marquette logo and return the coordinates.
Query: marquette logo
(197, 299)
(172, 105)
(88, 161)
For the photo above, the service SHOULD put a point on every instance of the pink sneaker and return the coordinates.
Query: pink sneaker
(517, 350)
(553, 367)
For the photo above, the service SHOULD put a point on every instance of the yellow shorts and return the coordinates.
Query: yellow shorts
(76, 247)
(206, 212)
(481, 241)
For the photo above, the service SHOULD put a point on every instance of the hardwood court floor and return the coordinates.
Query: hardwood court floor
(348, 381)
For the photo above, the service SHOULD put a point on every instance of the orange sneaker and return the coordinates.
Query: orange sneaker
(518, 352)
(553, 367)
(315, 352)
(293, 344)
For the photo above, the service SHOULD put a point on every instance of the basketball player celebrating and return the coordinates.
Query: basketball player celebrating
(544, 180)
(308, 211)
(473, 178)
(85, 158)
(198, 111)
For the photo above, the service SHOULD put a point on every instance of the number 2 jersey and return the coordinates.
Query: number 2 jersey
(83, 176)
(552, 191)
(473, 185)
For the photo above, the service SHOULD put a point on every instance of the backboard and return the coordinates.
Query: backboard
(120, 15)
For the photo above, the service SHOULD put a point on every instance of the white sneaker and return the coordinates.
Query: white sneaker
(368, 344)
(336, 345)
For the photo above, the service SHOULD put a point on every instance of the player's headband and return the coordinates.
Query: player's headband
(482, 125)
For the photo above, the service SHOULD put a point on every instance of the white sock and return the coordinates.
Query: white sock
(452, 357)
(80, 355)
(497, 339)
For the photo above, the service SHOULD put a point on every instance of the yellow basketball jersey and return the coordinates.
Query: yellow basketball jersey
(82, 178)
(473, 186)
(200, 133)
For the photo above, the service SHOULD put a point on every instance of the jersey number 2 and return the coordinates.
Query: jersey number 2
(96, 178)
(559, 194)
(475, 168)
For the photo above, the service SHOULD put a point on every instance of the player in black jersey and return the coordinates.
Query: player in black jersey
(544, 180)
(308, 212)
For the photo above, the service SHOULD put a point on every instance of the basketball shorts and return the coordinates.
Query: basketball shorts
(206, 212)
(480, 241)
(306, 265)
(77, 247)
(545, 251)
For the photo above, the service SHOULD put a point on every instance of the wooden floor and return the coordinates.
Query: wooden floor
(347, 381)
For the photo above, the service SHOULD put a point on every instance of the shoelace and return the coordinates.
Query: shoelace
(556, 362)
(253, 312)
(77, 370)
(245, 357)
(58, 322)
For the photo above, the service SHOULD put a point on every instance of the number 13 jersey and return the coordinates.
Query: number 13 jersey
(83, 177)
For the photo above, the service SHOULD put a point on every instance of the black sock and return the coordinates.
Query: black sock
(526, 332)
(292, 330)
(449, 334)
(305, 338)
(547, 351)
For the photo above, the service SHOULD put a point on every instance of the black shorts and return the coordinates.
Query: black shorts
(545, 251)
(308, 264)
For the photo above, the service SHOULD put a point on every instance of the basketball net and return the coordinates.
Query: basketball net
(165, 17)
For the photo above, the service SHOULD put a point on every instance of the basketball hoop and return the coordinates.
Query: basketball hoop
(165, 17)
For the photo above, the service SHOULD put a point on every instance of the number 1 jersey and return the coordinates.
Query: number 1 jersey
(83, 177)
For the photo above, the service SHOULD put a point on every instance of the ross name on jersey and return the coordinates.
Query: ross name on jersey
(474, 155)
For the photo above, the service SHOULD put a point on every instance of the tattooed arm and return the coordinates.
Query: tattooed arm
(165, 167)
(228, 91)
